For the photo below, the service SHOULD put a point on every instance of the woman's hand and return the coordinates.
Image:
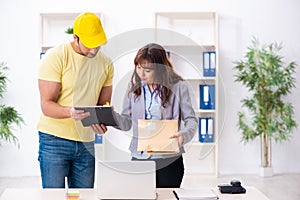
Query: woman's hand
(99, 128)
(179, 137)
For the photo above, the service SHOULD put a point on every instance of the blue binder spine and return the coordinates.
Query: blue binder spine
(206, 130)
(212, 63)
(98, 139)
(210, 129)
(168, 54)
(207, 96)
(209, 64)
(42, 54)
(202, 129)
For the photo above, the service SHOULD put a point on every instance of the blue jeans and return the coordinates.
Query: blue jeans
(60, 158)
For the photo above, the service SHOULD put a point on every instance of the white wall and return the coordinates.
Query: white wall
(276, 20)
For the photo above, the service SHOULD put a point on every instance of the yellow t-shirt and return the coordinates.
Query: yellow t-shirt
(81, 81)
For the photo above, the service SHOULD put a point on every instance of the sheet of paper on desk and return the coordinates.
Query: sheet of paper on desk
(192, 194)
(153, 136)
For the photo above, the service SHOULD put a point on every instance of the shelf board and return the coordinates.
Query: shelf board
(190, 78)
(45, 48)
(187, 15)
(191, 47)
(204, 111)
(197, 143)
(59, 16)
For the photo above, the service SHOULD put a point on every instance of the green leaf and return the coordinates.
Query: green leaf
(69, 30)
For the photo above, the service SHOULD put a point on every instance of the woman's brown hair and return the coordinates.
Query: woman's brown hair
(164, 74)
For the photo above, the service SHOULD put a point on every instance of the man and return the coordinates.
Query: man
(72, 74)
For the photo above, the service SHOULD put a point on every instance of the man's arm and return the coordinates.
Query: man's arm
(49, 92)
(105, 95)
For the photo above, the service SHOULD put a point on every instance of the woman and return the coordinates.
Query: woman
(157, 92)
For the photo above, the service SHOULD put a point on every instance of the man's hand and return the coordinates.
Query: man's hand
(78, 114)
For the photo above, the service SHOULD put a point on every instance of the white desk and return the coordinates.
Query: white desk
(90, 194)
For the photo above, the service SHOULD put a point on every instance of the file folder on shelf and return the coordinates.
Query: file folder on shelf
(42, 54)
(207, 97)
(206, 129)
(98, 139)
(209, 64)
(168, 54)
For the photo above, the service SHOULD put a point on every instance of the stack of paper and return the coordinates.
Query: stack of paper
(73, 195)
(192, 194)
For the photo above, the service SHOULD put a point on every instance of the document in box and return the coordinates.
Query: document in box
(98, 115)
(192, 194)
(153, 136)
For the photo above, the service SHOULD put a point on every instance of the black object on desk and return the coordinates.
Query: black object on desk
(234, 187)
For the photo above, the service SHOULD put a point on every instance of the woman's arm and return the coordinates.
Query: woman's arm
(125, 118)
(187, 115)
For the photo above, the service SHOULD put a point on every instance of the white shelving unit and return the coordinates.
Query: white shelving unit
(186, 35)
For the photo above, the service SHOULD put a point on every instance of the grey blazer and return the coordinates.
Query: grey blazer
(178, 107)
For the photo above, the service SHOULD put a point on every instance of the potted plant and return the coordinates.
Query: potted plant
(269, 116)
(8, 115)
(69, 30)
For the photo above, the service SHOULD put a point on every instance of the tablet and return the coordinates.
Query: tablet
(98, 115)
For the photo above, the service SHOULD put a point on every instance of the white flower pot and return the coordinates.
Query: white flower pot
(266, 171)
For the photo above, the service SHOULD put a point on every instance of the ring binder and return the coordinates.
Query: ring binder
(206, 129)
(207, 96)
(209, 63)
(98, 139)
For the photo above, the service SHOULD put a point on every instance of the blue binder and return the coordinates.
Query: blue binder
(207, 96)
(209, 63)
(168, 54)
(206, 129)
(98, 139)
(42, 54)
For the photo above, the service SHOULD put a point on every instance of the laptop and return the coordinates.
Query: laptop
(126, 180)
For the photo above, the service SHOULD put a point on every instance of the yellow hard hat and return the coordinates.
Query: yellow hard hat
(88, 28)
